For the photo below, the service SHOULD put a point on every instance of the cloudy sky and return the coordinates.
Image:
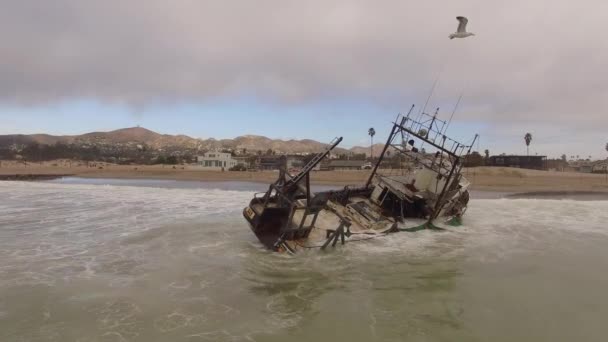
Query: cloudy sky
(308, 69)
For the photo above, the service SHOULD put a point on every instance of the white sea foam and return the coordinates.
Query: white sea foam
(55, 223)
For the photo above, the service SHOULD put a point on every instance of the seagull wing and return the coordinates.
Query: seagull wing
(462, 24)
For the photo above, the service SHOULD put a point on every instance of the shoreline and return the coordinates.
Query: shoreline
(507, 194)
(493, 179)
(32, 177)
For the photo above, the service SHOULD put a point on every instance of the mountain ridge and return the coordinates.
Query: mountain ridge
(155, 140)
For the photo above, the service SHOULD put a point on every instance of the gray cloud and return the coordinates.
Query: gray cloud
(531, 62)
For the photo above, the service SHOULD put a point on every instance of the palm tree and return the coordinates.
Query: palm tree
(606, 166)
(371, 133)
(528, 139)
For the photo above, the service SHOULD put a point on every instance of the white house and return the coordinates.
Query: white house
(216, 161)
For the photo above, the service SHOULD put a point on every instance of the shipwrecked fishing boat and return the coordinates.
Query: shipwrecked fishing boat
(426, 188)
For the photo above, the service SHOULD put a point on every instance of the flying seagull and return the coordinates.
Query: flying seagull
(461, 32)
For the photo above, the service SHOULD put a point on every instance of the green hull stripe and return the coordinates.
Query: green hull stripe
(421, 227)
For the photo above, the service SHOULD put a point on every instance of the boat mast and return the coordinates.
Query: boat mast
(387, 145)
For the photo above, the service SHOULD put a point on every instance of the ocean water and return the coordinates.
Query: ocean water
(95, 262)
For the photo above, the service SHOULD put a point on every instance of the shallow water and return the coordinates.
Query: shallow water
(176, 184)
(225, 185)
(86, 262)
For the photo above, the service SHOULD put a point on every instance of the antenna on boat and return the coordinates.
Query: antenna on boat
(430, 95)
(432, 122)
(473, 143)
(408, 114)
(402, 124)
(454, 111)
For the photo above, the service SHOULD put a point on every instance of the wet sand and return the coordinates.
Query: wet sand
(483, 178)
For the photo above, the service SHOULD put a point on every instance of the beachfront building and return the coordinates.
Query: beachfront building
(246, 161)
(275, 162)
(600, 167)
(271, 162)
(583, 166)
(523, 162)
(343, 165)
(216, 161)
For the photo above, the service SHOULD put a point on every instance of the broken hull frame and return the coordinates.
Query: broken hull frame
(267, 226)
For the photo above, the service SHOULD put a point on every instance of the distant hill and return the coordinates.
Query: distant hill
(260, 143)
(21, 139)
(125, 135)
(153, 140)
(139, 135)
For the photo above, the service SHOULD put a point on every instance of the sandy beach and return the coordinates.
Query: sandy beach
(482, 178)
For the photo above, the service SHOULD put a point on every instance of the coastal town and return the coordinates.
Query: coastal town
(139, 146)
(140, 153)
